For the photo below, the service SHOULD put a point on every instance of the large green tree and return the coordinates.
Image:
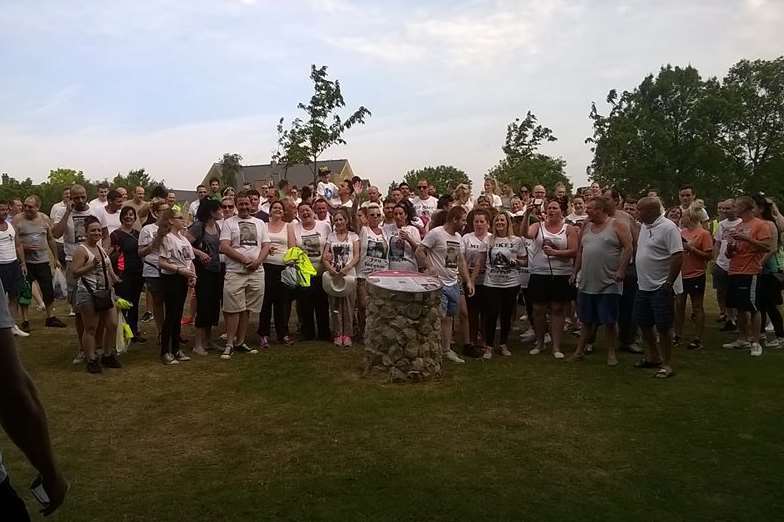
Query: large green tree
(322, 126)
(523, 163)
(230, 169)
(135, 178)
(444, 177)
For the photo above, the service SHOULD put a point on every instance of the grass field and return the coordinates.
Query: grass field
(297, 434)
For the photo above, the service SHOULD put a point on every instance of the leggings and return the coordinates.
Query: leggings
(175, 290)
(499, 302)
(312, 303)
(276, 303)
(769, 299)
(130, 289)
(627, 325)
(209, 291)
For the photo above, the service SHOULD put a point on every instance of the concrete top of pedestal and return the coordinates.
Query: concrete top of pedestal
(399, 281)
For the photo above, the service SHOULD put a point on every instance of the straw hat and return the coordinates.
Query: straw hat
(338, 286)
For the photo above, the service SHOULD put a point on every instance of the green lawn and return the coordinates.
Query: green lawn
(297, 434)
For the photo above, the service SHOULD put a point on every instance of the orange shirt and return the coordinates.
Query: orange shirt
(747, 258)
(693, 264)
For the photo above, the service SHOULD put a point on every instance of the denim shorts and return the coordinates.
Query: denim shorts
(450, 300)
(655, 308)
(598, 308)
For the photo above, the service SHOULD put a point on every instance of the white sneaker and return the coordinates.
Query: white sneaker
(452, 356)
(19, 332)
(504, 351)
(558, 355)
(226, 355)
(488, 353)
(78, 358)
(756, 349)
(528, 335)
(775, 343)
(547, 339)
(769, 327)
(588, 348)
(736, 345)
(535, 351)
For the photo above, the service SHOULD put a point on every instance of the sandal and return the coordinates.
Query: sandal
(645, 363)
(664, 372)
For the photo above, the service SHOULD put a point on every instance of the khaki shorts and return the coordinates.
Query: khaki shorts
(243, 291)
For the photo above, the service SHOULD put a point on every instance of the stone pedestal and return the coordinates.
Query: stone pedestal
(402, 336)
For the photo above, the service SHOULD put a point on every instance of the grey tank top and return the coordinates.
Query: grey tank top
(32, 234)
(601, 257)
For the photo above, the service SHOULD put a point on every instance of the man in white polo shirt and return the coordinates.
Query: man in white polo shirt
(659, 259)
(245, 242)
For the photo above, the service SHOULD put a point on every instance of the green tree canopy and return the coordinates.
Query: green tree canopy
(230, 169)
(444, 177)
(523, 164)
(135, 178)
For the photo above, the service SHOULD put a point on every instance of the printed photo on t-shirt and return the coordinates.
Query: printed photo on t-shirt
(501, 257)
(80, 234)
(376, 249)
(248, 234)
(397, 248)
(312, 245)
(340, 256)
(452, 254)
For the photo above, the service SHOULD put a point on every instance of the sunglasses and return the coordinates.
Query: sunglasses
(227, 206)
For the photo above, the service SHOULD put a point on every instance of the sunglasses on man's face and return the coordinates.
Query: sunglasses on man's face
(227, 206)
(422, 186)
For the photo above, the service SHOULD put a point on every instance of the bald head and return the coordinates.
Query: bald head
(649, 209)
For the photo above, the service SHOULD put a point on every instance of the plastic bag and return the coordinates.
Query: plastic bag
(123, 335)
(25, 293)
(289, 277)
(60, 284)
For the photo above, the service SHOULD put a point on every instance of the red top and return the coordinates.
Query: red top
(746, 258)
(693, 264)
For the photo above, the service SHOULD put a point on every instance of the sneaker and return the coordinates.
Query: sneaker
(528, 336)
(223, 337)
(695, 344)
(243, 347)
(632, 348)
(775, 344)
(769, 327)
(181, 356)
(54, 322)
(736, 345)
(169, 360)
(756, 349)
(186, 321)
(504, 351)
(226, 355)
(339, 341)
(676, 340)
(535, 351)
(452, 356)
(588, 348)
(199, 351)
(78, 358)
(558, 355)
(729, 326)
(146, 318)
(547, 339)
(71, 313)
(19, 332)
(346, 341)
(488, 353)
(111, 361)
(93, 366)
(25, 326)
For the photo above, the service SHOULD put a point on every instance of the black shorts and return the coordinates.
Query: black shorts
(694, 286)
(476, 301)
(42, 273)
(742, 293)
(11, 276)
(655, 308)
(544, 289)
(155, 286)
(720, 278)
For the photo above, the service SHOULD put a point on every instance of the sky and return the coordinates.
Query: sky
(170, 85)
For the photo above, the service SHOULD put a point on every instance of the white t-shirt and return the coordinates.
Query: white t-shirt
(445, 251)
(401, 253)
(312, 241)
(56, 214)
(146, 235)
(725, 226)
(177, 250)
(75, 232)
(525, 274)
(475, 254)
(328, 191)
(503, 267)
(424, 207)
(109, 221)
(279, 240)
(247, 236)
(194, 207)
(342, 251)
(8, 244)
(374, 252)
(497, 203)
(348, 204)
(656, 244)
(97, 203)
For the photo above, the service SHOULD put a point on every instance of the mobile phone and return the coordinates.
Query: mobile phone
(538, 202)
(40, 494)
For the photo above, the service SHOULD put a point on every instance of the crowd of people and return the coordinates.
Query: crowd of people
(556, 263)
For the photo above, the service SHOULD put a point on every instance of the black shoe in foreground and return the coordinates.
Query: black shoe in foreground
(111, 361)
(93, 366)
(54, 322)
(729, 326)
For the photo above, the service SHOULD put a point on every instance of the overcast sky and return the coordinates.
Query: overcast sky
(170, 85)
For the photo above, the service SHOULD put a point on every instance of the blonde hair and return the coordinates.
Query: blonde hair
(692, 216)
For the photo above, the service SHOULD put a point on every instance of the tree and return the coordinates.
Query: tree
(523, 164)
(66, 177)
(135, 178)
(444, 177)
(230, 169)
(290, 149)
(322, 127)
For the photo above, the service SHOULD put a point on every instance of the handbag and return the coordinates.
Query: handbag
(102, 299)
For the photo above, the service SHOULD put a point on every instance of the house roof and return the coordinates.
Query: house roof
(299, 174)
